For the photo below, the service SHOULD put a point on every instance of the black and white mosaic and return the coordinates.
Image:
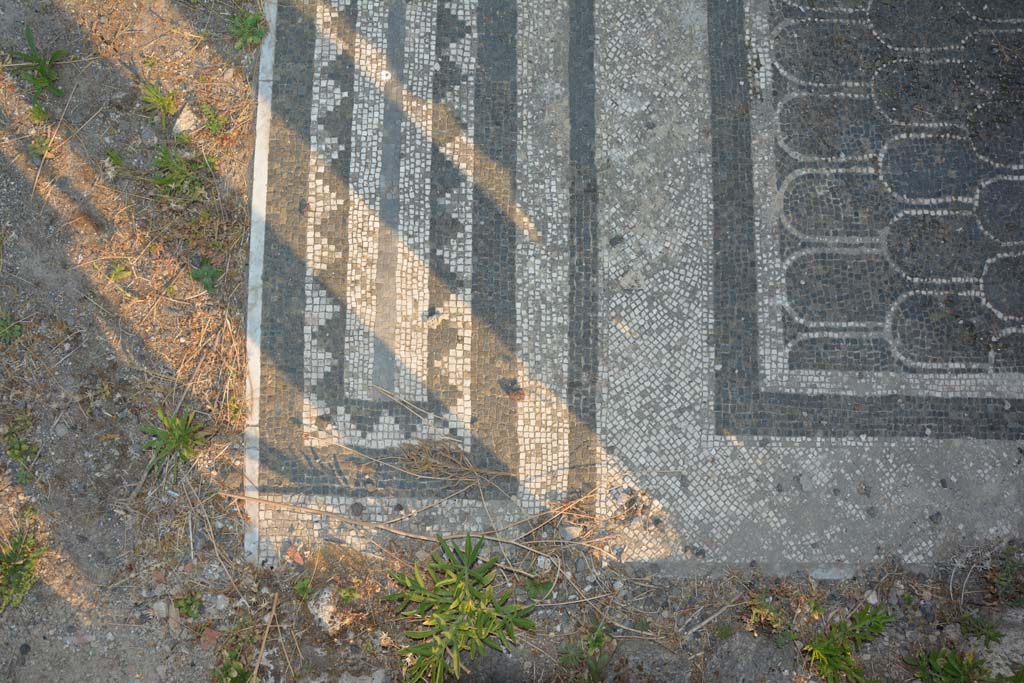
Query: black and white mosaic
(747, 270)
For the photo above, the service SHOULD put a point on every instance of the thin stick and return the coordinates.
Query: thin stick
(487, 536)
(714, 616)
(77, 131)
(191, 541)
(395, 520)
(579, 601)
(284, 651)
(15, 65)
(39, 169)
(197, 358)
(298, 649)
(964, 587)
(213, 538)
(166, 286)
(3, 330)
(328, 513)
(263, 645)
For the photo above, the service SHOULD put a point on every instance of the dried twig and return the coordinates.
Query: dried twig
(211, 532)
(487, 535)
(967, 578)
(39, 169)
(263, 644)
(714, 616)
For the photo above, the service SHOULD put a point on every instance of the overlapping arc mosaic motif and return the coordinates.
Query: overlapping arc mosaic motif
(888, 170)
(749, 271)
(899, 168)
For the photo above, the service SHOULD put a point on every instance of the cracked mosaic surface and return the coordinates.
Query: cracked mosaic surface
(749, 270)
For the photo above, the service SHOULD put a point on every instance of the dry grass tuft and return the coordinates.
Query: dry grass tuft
(445, 460)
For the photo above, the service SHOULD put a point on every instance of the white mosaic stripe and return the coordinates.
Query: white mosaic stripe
(364, 216)
(654, 404)
(254, 312)
(320, 252)
(542, 266)
(459, 252)
(412, 289)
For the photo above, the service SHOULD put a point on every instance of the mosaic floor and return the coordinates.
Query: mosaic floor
(746, 274)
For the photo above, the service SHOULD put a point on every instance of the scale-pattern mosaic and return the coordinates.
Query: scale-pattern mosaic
(891, 220)
(884, 166)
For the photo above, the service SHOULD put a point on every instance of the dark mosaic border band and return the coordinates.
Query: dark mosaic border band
(281, 375)
(741, 406)
(494, 374)
(583, 248)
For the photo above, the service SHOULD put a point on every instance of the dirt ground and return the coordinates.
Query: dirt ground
(97, 266)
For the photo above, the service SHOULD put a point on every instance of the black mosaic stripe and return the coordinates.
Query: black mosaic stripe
(494, 237)
(384, 364)
(732, 186)
(281, 377)
(583, 247)
(741, 407)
